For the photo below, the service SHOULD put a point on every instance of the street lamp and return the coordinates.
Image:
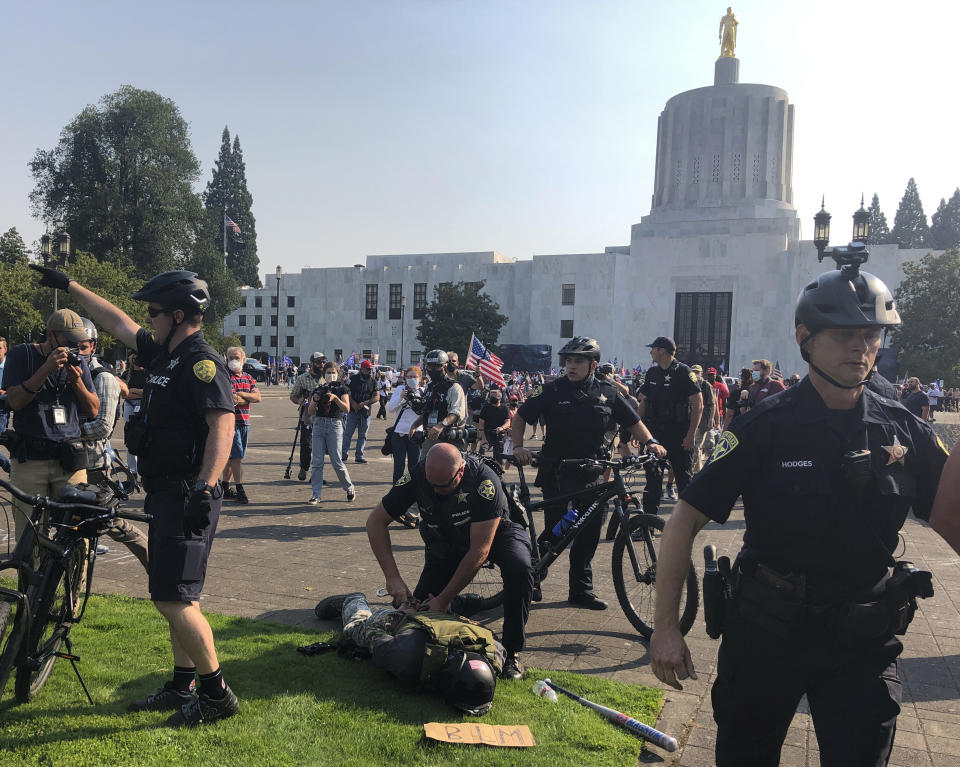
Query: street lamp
(276, 358)
(403, 306)
(861, 224)
(61, 257)
(852, 255)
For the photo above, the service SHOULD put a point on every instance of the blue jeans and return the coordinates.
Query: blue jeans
(360, 424)
(327, 434)
(403, 448)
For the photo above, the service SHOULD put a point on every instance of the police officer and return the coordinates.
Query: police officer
(671, 406)
(182, 440)
(464, 521)
(581, 414)
(445, 404)
(827, 471)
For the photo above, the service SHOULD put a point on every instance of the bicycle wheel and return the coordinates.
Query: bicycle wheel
(636, 597)
(485, 592)
(11, 634)
(53, 612)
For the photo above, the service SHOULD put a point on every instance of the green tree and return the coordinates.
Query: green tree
(120, 181)
(457, 311)
(22, 311)
(13, 250)
(879, 232)
(928, 339)
(207, 262)
(227, 194)
(945, 223)
(910, 228)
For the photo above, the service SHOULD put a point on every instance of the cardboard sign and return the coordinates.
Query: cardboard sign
(514, 735)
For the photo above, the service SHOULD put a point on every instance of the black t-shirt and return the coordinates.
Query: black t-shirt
(667, 394)
(785, 457)
(580, 420)
(37, 419)
(478, 498)
(494, 416)
(137, 379)
(916, 402)
(326, 407)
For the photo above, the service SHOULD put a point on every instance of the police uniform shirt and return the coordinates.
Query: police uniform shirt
(578, 420)
(181, 385)
(478, 498)
(667, 393)
(785, 457)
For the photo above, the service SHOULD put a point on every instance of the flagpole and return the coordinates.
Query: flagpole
(470, 349)
(225, 241)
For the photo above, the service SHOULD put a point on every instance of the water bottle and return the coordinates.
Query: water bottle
(544, 691)
(565, 523)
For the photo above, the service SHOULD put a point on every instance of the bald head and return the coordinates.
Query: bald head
(442, 468)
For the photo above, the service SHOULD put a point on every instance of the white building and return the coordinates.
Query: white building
(717, 263)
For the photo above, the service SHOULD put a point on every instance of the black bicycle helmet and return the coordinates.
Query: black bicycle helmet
(581, 346)
(466, 681)
(846, 298)
(436, 357)
(180, 289)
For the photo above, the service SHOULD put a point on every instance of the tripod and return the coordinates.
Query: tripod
(296, 437)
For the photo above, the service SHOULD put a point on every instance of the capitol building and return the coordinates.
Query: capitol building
(717, 263)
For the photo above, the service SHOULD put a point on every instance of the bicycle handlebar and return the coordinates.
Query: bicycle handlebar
(627, 462)
(42, 501)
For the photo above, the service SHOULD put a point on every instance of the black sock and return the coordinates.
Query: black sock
(239, 487)
(212, 684)
(183, 678)
(225, 485)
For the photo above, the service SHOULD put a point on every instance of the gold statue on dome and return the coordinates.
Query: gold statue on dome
(728, 34)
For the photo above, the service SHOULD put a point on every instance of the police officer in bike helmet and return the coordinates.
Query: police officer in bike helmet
(445, 403)
(182, 439)
(582, 413)
(827, 471)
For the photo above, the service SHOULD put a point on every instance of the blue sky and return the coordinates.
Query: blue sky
(526, 127)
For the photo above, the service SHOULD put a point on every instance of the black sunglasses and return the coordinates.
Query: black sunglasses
(452, 480)
(157, 312)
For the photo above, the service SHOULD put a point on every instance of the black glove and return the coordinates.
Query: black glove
(51, 278)
(196, 515)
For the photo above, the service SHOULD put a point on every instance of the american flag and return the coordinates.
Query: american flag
(491, 366)
(231, 224)
(776, 375)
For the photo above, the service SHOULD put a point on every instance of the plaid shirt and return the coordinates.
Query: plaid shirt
(242, 382)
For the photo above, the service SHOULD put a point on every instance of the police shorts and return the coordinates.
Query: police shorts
(177, 565)
(239, 448)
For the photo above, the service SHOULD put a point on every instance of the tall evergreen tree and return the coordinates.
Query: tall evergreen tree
(945, 224)
(227, 194)
(910, 228)
(13, 250)
(879, 232)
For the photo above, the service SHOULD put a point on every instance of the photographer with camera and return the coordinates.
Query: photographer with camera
(363, 395)
(445, 404)
(327, 403)
(300, 395)
(494, 423)
(49, 388)
(405, 404)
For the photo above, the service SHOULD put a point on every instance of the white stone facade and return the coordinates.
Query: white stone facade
(722, 221)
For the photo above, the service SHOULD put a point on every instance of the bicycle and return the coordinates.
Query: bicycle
(53, 571)
(634, 566)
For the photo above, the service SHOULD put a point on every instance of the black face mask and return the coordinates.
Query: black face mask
(364, 375)
(435, 375)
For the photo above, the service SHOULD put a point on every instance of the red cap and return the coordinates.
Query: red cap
(712, 370)
(366, 364)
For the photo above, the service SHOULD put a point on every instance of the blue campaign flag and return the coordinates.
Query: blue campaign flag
(350, 360)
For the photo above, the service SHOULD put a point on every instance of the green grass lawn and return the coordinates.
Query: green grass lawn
(295, 710)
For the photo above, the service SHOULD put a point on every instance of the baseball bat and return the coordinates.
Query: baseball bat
(627, 722)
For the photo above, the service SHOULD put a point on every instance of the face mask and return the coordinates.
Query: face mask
(413, 383)
(755, 375)
(365, 375)
(435, 375)
(330, 377)
(235, 365)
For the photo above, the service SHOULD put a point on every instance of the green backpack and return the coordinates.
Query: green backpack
(446, 632)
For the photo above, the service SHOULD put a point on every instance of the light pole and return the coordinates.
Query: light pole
(276, 358)
(403, 306)
(62, 255)
(853, 254)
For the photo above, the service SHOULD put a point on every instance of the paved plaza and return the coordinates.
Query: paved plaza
(274, 559)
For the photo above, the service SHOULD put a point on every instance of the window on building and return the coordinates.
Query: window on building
(445, 285)
(366, 353)
(701, 328)
(291, 302)
(419, 300)
(289, 342)
(568, 294)
(371, 302)
(396, 301)
(258, 320)
(290, 320)
(566, 328)
(258, 302)
(243, 300)
(391, 357)
(273, 340)
(242, 320)
(258, 341)
(243, 340)
(273, 320)
(273, 302)
(467, 286)
(338, 354)
(415, 358)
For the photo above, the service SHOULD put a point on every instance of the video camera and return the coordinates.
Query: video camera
(323, 390)
(465, 434)
(416, 402)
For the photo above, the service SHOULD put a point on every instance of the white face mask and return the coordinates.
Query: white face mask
(330, 377)
(235, 365)
(413, 383)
